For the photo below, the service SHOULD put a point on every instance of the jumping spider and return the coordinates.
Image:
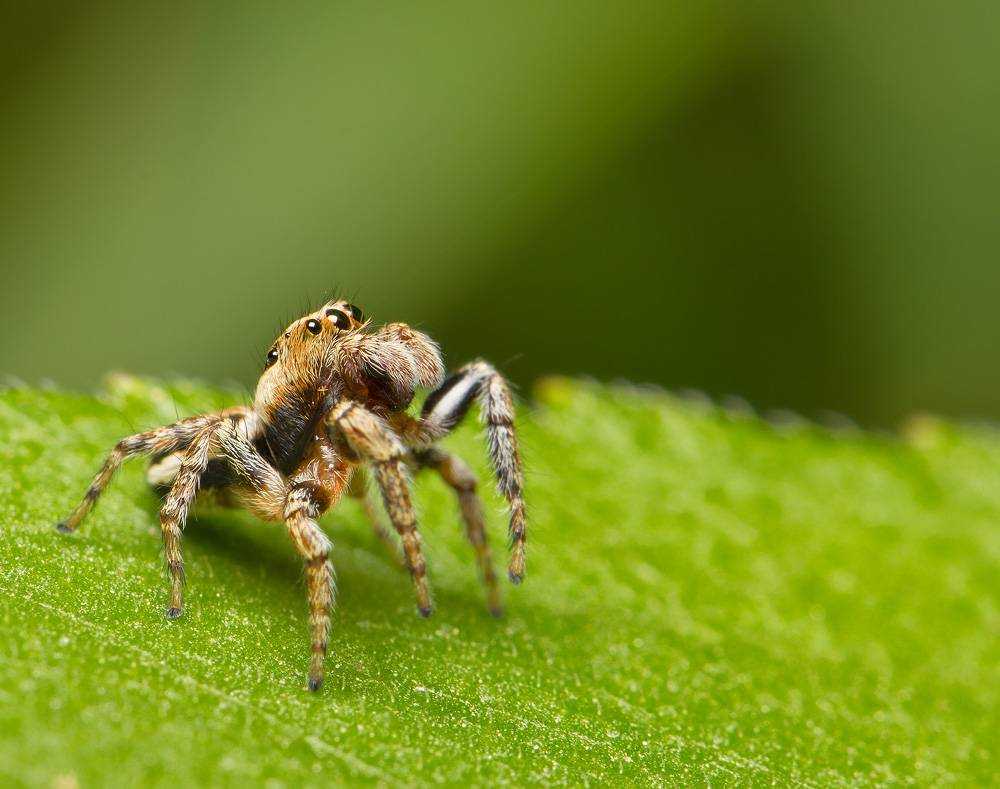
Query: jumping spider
(331, 401)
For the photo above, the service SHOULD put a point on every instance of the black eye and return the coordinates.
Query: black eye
(313, 326)
(272, 357)
(339, 318)
(356, 312)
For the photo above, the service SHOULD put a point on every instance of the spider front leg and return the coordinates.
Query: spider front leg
(447, 406)
(313, 545)
(270, 495)
(373, 440)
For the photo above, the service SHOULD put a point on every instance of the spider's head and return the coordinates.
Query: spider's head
(302, 355)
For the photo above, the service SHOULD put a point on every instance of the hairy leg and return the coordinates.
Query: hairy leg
(447, 406)
(298, 502)
(257, 484)
(372, 439)
(313, 545)
(161, 441)
(237, 476)
(174, 512)
(359, 491)
(462, 480)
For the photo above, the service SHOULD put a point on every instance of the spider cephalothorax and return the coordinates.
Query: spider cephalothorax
(332, 401)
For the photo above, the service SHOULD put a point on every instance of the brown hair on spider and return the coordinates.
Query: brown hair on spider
(329, 409)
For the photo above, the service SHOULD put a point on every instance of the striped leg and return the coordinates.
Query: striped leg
(445, 408)
(160, 441)
(314, 547)
(174, 512)
(359, 491)
(262, 488)
(374, 441)
(266, 492)
(462, 480)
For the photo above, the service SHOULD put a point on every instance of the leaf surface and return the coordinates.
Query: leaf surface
(709, 598)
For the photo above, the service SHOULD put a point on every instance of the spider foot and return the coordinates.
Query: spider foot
(62, 528)
(174, 612)
(515, 570)
(315, 683)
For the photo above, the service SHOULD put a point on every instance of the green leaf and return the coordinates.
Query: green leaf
(710, 598)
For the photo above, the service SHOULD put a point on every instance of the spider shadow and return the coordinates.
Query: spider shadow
(375, 611)
(370, 584)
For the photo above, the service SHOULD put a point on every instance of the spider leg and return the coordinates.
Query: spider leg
(161, 441)
(447, 406)
(462, 480)
(359, 490)
(174, 513)
(372, 439)
(258, 485)
(301, 511)
(299, 503)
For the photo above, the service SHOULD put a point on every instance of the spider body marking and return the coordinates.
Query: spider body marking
(330, 408)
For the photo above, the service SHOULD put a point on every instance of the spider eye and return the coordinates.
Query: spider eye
(314, 326)
(340, 319)
(272, 357)
(356, 313)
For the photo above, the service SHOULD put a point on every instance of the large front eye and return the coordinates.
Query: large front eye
(340, 319)
(271, 358)
(313, 326)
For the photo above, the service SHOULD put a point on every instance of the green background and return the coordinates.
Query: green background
(794, 202)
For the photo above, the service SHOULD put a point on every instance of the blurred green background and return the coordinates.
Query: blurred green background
(795, 202)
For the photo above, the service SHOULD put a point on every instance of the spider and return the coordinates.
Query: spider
(331, 404)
